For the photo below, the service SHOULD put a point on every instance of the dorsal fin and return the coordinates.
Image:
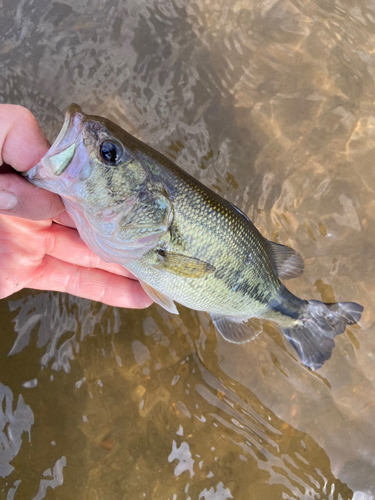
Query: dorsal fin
(287, 262)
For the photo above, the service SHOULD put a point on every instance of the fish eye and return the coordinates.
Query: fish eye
(110, 152)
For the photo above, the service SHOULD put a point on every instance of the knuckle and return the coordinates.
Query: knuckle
(50, 242)
(73, 283)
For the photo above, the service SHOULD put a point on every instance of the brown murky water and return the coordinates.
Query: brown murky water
(271, 103)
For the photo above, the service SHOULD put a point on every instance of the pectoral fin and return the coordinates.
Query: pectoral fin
(234, 329)
(159, 298)
(288, 263)
(182, 265)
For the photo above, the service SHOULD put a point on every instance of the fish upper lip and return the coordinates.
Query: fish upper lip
(60, 154)
(69, 132)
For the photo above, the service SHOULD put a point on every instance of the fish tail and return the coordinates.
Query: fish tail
(313, 333)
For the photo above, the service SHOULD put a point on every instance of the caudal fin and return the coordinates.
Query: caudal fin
(312, 337)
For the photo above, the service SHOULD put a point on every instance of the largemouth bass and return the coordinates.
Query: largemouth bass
(186, 244)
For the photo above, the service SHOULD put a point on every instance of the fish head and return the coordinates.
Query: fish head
(107, 186)
(90, 163)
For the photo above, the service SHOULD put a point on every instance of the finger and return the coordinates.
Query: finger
(64, 219)
(21, 199)
(60, 238)
(93, 284)
(22, 142)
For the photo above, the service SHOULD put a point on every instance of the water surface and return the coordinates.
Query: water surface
(271, 104)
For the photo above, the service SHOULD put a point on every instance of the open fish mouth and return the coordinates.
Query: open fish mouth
(61, 153)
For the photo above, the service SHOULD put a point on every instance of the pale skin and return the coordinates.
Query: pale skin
(39, 245)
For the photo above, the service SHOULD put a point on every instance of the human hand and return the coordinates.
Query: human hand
(36, 252)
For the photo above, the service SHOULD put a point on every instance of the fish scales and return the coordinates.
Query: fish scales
(208, 229)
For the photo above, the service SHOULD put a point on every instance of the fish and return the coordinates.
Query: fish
(135, 207)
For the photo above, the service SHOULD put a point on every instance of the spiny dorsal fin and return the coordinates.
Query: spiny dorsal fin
(182, 265)
(234, 330)
(288, 263)
(159, 298)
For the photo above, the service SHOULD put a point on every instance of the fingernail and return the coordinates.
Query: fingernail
(7, 201)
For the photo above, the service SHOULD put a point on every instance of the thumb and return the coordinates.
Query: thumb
(21, 199)
(22, 144)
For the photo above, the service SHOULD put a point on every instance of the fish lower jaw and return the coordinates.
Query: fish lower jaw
(31, 174)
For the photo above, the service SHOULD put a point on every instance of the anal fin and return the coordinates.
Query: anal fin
(233, 328)
(159, 298)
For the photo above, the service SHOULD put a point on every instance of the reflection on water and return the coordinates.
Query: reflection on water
(270, 103)
(13, 424)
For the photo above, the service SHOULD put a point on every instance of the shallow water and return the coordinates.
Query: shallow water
(271, 104)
